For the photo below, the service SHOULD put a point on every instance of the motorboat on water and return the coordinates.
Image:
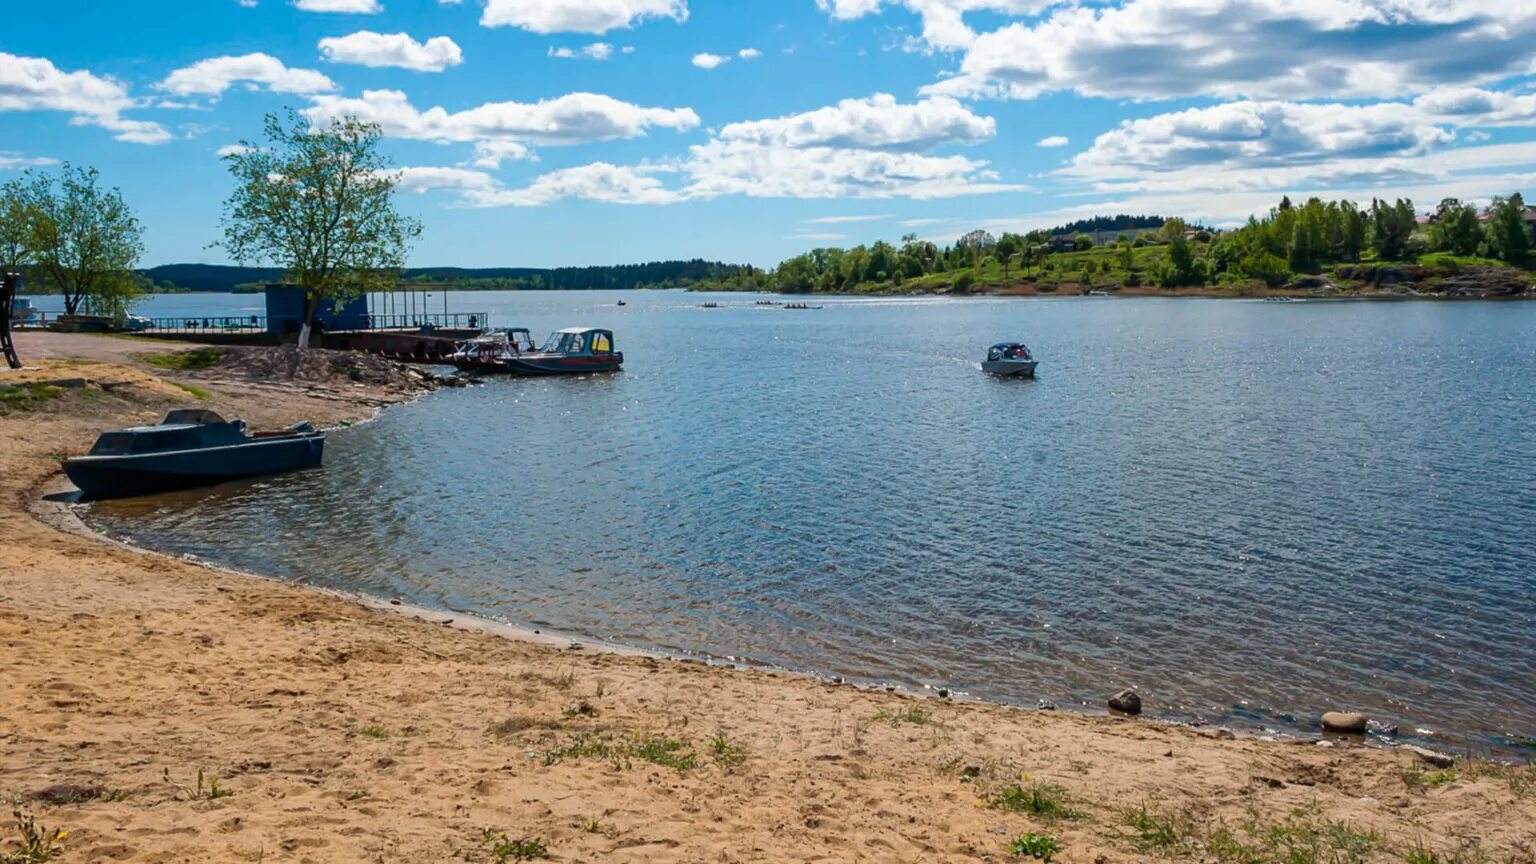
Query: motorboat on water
(24, 313)
(189, 448)
(493, 346)
(1010, 359)
(576, 350)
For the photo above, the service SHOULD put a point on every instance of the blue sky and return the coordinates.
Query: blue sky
(570, 132)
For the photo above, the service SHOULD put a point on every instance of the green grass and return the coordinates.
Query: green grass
(37, 844)
(656, 749)
(1162, 833)
(184, 361)
(726, 753)
(1047, 801)
(503, 849)
(25, 397)
(374, 731)
(197, 392)
(1041, 846)
(1302, 837)
(913, 715)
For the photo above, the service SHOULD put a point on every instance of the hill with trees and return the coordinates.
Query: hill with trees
(1317, 248)
(660, 274)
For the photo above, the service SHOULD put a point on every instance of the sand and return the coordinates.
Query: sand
(336, 731)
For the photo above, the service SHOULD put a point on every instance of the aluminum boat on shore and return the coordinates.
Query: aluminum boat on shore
(189, 448)
(1010, 359)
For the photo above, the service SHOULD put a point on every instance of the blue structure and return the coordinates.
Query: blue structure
(285, 311)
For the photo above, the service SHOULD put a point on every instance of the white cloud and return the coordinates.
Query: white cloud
(877, 123)
(356, 7)
(575, 118)
(213, 76)
(578, 16)
(399, 50)
(1053, 141)
(943, 20)
(1296, 49)
(599, 181)
(749, 53)
(709, 61)
(234, 150)
(1317, 140)
(35, 84)
(14, 161)
(490, 154)
(595, 51)
(420, 180)
(773, 171)
(843, 220)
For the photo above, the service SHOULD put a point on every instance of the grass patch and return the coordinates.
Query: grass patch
(656, 749)
(197, 392)
(37, 843)
(374, 731)
(186, 361)
(502, 848)
(1041, 846)
(1039, 799)
(25, 397)
(1521, 779)
(727, 753)
(1302, 837)
(914, 715)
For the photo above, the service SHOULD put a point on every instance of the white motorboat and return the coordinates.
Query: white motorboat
(1010, 359)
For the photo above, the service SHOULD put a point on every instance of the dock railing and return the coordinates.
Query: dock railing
(430, 321)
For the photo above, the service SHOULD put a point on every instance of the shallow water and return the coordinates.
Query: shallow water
(1252, 511)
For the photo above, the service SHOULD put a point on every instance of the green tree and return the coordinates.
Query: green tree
(1391, 227)
(16, 227)
(1455, 228)
(318, 203)
(1506, 229)
(84, 240)
(1083, 243)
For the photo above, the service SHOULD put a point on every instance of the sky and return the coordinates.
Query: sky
(540, 133)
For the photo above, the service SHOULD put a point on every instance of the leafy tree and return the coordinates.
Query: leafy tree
(84, 240)
(16, 227)
(976, 243)
(1455, 228)
(1391, 226)
(1083, 243)
(317, 202)
(1009, 247)
(1506, 229)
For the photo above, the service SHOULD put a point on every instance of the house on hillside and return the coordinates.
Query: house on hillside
(1528, 216)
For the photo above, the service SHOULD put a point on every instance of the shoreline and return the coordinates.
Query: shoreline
(340, 734)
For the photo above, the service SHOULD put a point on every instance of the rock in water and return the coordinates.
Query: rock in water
(1126, 702)
(1347, 722)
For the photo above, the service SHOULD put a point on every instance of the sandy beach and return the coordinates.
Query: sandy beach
(163, 711)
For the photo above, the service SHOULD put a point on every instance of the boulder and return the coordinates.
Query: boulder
(1439, 760)
(1347, 722)
(1125, 702)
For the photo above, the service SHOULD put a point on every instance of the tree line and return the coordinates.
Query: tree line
(71, 236)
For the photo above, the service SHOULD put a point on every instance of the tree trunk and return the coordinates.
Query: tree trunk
(309, 320)
(72, 301)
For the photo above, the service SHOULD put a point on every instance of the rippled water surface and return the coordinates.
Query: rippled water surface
(1253, 511)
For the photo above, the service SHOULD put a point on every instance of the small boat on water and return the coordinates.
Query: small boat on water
(493, 346)
(573, 351)
(24, 313)
(189, 448)
(800, 306)
(1010, 359)
(710, 305)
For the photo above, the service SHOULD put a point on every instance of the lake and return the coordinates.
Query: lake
(1252, 511)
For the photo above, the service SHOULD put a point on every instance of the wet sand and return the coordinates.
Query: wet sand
(342, 731)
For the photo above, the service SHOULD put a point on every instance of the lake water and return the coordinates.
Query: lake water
(1252, 511)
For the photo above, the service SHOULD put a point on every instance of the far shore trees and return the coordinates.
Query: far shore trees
(317, 201)
(82, 240)
(15, 227)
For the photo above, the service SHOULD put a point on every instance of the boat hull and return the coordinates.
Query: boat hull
(534, 364)
(1010, 368)
(102, 477)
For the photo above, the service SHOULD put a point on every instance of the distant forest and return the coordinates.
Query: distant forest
(1121, 222)
(659, 274)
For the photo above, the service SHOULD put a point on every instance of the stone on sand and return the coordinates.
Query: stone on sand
(1348, 722)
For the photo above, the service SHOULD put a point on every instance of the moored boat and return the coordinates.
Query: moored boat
(573, 351)
(189, 448)
(1010, 359)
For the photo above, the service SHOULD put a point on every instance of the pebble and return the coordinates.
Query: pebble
(1126, 702)
(1348, 722)
(1439, 760)
(943, 694)
(1046, 705)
